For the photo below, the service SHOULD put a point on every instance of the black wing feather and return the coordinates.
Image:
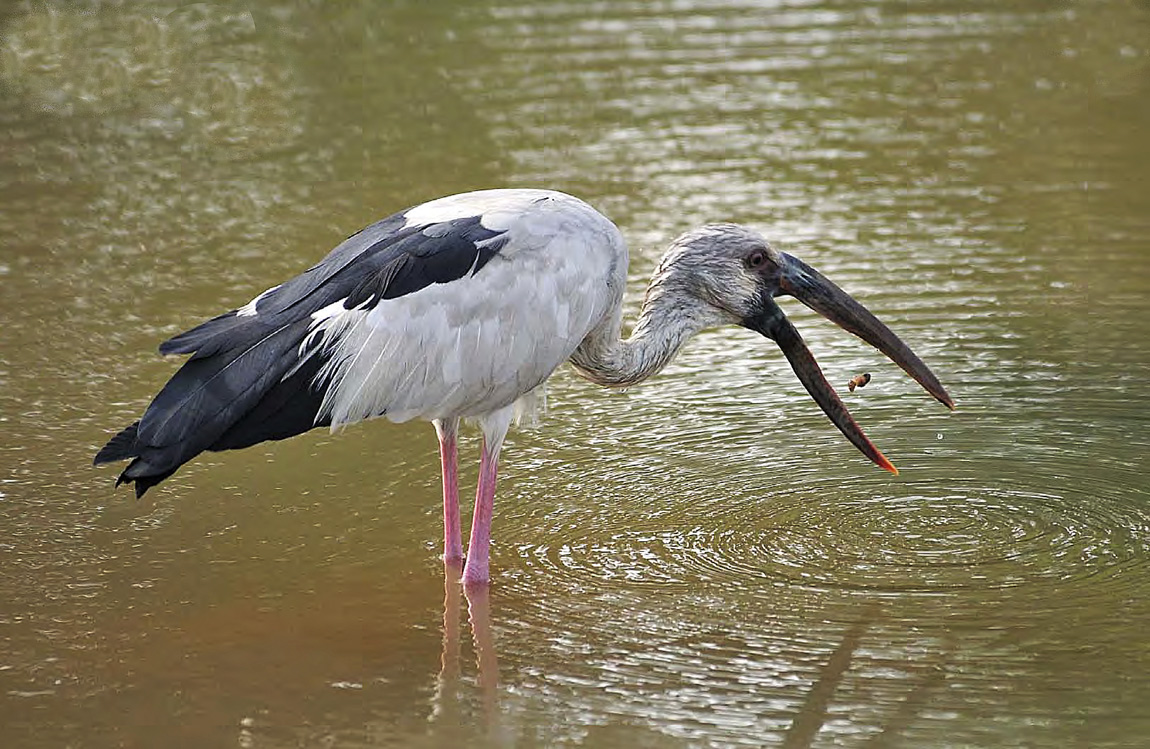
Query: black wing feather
(288, 408)
(244, 382)
(384, 261)
(206, 339)
(120, 447)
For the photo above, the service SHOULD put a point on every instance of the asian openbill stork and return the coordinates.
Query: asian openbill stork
(461, 308)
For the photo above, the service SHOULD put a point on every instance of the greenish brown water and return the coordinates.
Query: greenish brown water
(701, 560)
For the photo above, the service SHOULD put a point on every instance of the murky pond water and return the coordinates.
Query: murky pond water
(701, 560)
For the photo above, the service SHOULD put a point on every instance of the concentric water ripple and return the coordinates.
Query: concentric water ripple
(976, 535)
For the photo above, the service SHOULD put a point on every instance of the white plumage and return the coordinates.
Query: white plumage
(462, 307)
(484, 341)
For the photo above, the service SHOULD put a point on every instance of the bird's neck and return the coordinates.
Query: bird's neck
(669, 317)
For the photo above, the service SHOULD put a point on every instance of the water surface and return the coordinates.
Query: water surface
(700, 560)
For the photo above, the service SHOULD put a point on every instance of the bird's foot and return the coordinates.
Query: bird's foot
(476, 576)
(453, 557)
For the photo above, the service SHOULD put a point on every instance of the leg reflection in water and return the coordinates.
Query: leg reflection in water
(448, 702)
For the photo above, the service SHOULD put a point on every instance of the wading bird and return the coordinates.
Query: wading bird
(461, 308)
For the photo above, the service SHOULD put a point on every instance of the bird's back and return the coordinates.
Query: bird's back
(480, 342)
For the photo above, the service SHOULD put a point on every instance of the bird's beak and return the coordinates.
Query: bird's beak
(810, 287)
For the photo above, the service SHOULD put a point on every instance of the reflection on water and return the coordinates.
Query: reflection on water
(445, 715)
(701, 559)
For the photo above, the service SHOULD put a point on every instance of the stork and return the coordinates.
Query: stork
(461, 308)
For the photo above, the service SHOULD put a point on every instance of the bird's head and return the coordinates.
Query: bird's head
(734, 275)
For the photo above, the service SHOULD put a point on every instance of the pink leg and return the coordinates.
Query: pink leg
(479, 547)
(452, 535)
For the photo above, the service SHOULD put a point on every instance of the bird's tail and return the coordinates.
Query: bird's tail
(255, 390)
(124, 446)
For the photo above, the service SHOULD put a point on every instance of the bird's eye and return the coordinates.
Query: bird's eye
(756, 259)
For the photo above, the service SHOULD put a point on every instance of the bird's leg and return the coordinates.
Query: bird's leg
(447, 429)
(479, 547)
